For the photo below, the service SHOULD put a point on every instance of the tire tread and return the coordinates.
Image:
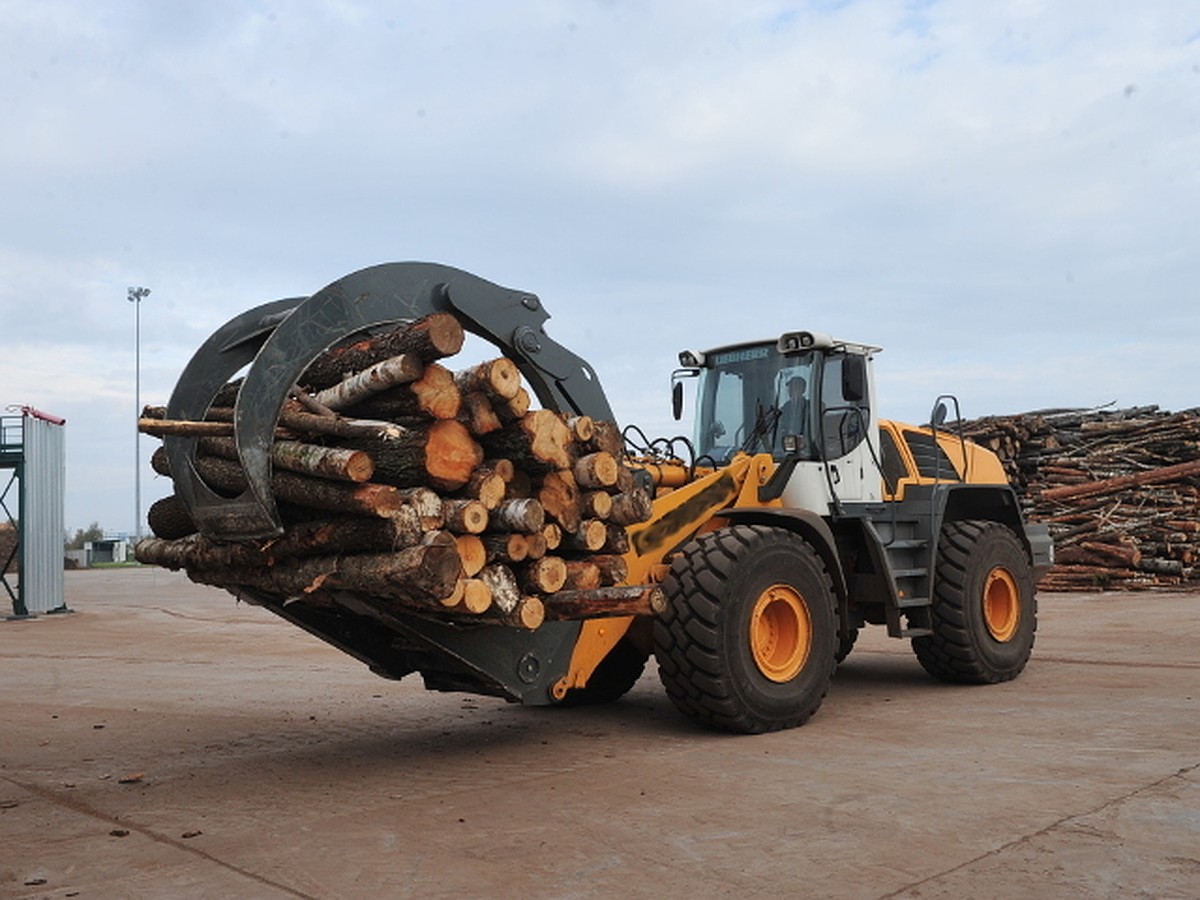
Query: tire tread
(688, 636)
(952, 653)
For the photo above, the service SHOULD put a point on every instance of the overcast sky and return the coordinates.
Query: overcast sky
(1005, 196)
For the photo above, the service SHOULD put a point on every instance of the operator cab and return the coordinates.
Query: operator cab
(803, 397)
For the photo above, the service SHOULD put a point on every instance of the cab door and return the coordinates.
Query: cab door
(847, 428)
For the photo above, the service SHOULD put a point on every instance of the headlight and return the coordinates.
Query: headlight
(797, 341)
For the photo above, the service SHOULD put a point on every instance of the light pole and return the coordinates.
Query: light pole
(136, 295)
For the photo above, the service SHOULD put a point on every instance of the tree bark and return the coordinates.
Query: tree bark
(309, 459)
(465, 516)
(486, 486)
(184, 428)
(417, 577)
(1122, 482)
(637, 600)
(431, 396)
(613, 569)
(535, 545)
(169, 518)
(382, 375)
(361, 499)
(616, 538)
(433, 337)
(505, 548)
(348, 534)
(606, 436)
(498, 378)
(503, 584)
(626, 481)
(631, 507)
(478, 414)
(442, 455)
(427, 504)
(582, 575)
(559, 496)
(195, 550)
(1122, 554)
(296, 419)
(525, 516)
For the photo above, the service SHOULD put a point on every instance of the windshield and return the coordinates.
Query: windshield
(749, 398)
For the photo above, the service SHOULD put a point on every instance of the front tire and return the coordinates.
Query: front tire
(748, 640)
(984, 608)
(846, 643)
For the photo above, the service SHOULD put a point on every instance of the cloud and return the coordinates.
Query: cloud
(971, 186)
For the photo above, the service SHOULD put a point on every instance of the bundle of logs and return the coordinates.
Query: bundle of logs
(1119, 489)
(425, 489)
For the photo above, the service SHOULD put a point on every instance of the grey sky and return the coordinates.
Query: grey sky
(1006, 197)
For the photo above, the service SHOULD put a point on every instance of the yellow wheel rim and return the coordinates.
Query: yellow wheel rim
(1001, 604)
(780, 632)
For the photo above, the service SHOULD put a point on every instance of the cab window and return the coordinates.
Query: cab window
(844, 415)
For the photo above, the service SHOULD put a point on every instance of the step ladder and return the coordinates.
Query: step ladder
(909, 558)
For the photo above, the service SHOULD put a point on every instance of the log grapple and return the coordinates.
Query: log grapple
(283, 337)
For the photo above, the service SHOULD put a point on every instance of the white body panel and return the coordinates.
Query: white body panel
(855, 478)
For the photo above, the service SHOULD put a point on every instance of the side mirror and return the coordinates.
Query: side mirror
(941, 410)
(938, 417)
(854, 378)
(677, 389)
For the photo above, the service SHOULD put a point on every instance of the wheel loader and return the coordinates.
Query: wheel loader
(794, 517)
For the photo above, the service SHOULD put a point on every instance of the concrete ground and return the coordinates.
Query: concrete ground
(162, 741)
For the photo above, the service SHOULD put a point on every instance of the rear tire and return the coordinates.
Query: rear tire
(984, 608)
(748, 640)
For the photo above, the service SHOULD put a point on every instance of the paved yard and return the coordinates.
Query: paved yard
(162, 741)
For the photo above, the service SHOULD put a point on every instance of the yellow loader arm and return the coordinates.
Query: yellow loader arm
(681, 509)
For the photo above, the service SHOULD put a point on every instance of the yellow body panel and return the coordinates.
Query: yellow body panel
(972, 463)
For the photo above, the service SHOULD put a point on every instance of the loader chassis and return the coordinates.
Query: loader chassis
(800, 518)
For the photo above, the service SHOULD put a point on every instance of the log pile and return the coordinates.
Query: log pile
(8, 548)
(1119, 489)
(426, 489)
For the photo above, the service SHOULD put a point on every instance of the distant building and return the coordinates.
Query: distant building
(32, 446)
(108, 550)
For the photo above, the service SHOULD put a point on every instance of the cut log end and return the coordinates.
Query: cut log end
(451, 455)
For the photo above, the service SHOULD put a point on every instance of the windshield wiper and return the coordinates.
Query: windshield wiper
(765, 422)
